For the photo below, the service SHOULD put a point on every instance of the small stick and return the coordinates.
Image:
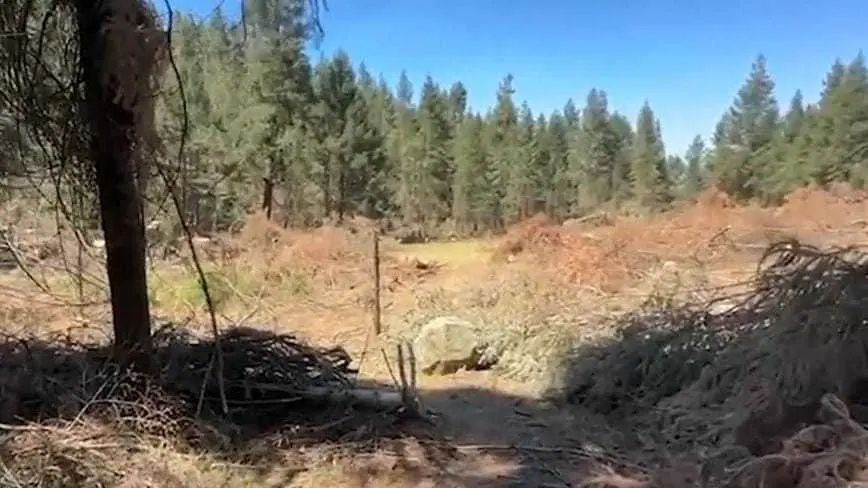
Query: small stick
(378, 326)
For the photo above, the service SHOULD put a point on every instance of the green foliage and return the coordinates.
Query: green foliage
(650, 174)
(186, 292)
(313, 141)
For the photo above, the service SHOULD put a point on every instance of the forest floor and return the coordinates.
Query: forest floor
(546, 290)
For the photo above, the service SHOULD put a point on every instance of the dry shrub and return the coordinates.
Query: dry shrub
(705, 230)
(653, 355)
(604, 265)
(568, 256)
(274, 252)
(327, 244)
(606, 477)
(259, 232)
(830, 453)
(837, 206)
(536, 234)
(612, 257)
(714, 198)
(61, 456)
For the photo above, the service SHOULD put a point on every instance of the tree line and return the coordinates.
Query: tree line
(308, 140)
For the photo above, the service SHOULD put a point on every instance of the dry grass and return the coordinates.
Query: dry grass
(619, 316)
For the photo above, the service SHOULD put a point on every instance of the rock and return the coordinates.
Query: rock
(448, 344)
(722, 307)
(411, 235)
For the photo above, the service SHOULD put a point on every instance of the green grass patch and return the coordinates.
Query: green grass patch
(451, 253)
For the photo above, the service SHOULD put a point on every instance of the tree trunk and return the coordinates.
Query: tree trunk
(113, 140)
(268, 196)
(342, 194)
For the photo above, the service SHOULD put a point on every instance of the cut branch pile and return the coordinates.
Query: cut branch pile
(831, 453)
(270, 383)
(744, 383)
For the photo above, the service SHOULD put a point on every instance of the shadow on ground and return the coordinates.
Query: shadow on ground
(738, 378)
(71, 419)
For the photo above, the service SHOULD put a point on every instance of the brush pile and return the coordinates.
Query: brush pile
(263, 387)
(742, 383)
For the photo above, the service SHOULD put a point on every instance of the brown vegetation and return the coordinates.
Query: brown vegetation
(737, 386)
(712, 230)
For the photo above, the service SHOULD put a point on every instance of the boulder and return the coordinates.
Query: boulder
(448, 344)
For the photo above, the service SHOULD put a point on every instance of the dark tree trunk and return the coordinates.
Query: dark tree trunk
(268, 196)
(113, 141)
(327, 190)
(342, 195)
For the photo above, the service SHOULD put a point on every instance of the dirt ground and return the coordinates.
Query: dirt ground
(492, 428)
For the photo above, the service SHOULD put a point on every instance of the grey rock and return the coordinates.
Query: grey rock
(447, 344)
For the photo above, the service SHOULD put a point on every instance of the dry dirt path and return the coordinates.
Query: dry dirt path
(489, 432)
(519, 440)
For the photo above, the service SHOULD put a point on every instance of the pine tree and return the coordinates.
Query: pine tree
(265, 126)
(650, 179)
(457, 101)
(404, 91)
(471, 160)
(519, 190)
(622, 175)
(746, 133)
(694, 181)
(839, 123)
(504, 148)
(594, 152)
(344, 130)
(434, 172)
(676, 168)
(788, 169)
(561, 196)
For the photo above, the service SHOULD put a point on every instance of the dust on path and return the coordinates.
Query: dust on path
(503, 436)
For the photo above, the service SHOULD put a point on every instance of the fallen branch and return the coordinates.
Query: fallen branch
(373, 398)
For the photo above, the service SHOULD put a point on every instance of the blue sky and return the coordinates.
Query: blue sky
(687, 58)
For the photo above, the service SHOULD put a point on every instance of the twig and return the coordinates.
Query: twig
(20, 262)
(378, 326)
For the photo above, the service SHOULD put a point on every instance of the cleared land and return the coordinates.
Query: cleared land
(632, 352)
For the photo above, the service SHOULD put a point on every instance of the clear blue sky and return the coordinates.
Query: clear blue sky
(688, 58)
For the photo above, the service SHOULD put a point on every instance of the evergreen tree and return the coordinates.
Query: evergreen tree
(433, 173)
(622, 175)
(595, 152)
(746, 134)
(469, 206)
(561, 195)
(650, 179)
(504, 150)
(520, 191)
(694, 180)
